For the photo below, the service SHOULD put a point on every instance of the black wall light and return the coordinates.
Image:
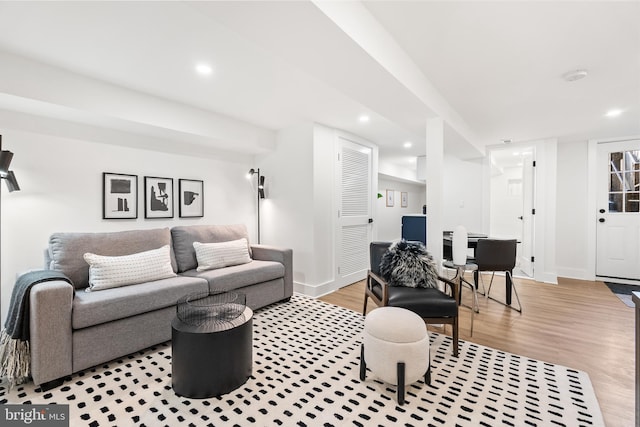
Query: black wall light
(260, 181)
(5, 173)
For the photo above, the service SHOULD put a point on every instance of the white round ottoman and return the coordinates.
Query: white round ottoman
(395, 347)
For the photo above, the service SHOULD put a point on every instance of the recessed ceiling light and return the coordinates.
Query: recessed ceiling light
(573, 75)
(613, 113)
(407, 144)
(204, 69)
(506, 141)
(363, 118)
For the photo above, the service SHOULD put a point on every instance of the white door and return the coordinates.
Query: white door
(525, 251)
(512, 202)
(354, 211)
(618, 226)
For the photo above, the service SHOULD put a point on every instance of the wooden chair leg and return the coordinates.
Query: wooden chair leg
(364, 309)
(427, 375)
(455, 336)
(363, 365)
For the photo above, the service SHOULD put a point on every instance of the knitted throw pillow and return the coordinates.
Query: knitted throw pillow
(409, 264)
(107, 272)
(224, 254)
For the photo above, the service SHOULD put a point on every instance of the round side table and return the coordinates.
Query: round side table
(211, 359)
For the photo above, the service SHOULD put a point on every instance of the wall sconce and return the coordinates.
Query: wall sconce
(5, 173)
(260, 181)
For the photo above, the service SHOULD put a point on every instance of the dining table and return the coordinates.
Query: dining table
(472, 243)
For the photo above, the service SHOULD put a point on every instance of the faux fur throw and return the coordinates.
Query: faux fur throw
(409, 264)
(14, 340)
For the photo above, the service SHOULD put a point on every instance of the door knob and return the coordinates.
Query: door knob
(601, 220)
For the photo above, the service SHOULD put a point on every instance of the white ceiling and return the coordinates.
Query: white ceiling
(498, 65)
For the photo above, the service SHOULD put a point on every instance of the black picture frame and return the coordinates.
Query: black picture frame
(191, 195)
(119, 196)
(158, 197)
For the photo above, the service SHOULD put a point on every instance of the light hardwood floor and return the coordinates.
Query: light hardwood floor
(578, 324)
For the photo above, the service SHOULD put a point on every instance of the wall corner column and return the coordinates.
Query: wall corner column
(435, 186)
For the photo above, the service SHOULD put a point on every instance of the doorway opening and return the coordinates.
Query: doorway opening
(512, 190)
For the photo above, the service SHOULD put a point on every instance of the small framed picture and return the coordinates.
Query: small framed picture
(390, 196)
(404, 199)
(119, 196)
(158, 197)
(191, 203)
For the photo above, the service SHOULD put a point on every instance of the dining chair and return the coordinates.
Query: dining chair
(494, 255)
(461, 263)
(433, 305)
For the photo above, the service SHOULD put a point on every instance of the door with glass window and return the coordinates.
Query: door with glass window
(618, 226)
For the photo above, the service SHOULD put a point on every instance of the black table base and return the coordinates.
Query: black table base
(211, 363)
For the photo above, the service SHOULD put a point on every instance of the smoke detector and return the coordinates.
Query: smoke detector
(572, 76)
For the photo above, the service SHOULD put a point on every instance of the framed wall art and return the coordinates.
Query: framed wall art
(404, 199)
(119, 196)
(191, 203)
(390, 197)
(158, 197)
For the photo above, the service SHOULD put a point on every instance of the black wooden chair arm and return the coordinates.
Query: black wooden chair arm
(453, 286)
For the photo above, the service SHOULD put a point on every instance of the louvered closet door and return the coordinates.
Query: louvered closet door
(354, 212)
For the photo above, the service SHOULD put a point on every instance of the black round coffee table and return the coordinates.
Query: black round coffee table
(212, 355)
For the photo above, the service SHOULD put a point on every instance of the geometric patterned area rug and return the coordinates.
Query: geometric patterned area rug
(306, 373)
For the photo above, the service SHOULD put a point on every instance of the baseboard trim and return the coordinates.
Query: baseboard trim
(551, 278)
(574, 273)
(315, 291)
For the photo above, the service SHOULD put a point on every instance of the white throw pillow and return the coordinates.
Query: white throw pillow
(223, 254)
(114, 271)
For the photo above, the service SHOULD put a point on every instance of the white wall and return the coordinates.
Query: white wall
(324, 208)
(406, 171)
(389, 219)
(545, 266)
(287, 212)
(301, 199)
(572, 210)
(463, 194)
(61, 190)
(300, 210)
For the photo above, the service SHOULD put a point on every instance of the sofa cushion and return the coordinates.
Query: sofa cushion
(114, 271)
(94, 308)
(184, 236)
(66, 250)
(224, 254)
(239, 276)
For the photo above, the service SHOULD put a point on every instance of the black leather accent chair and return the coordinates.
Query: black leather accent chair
(498, 255)
(433, 305)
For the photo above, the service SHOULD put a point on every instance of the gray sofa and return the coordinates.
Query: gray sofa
(71, 329)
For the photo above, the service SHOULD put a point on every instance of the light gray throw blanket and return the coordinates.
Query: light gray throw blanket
(15, 357)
